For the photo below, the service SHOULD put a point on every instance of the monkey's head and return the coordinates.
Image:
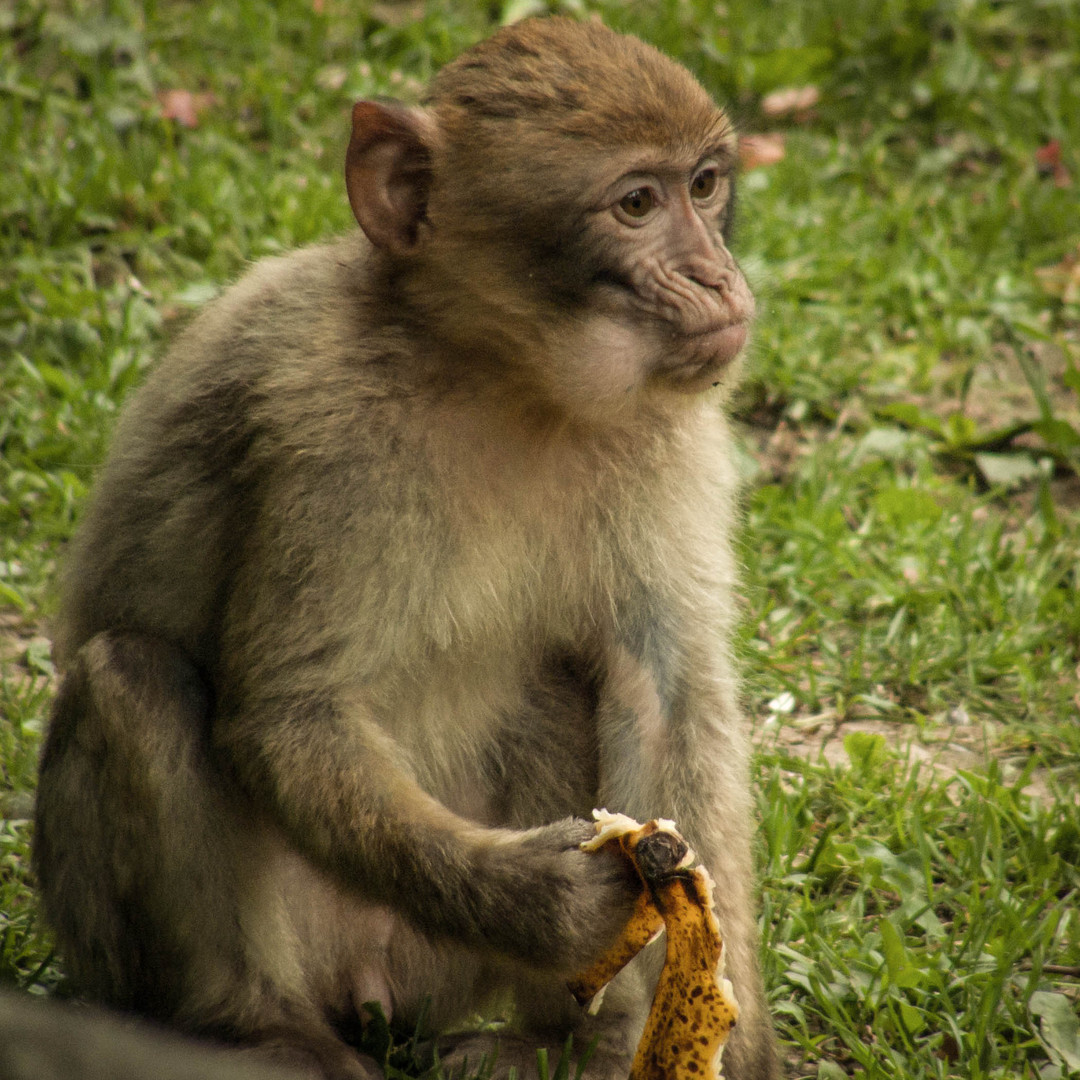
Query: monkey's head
(558, 207)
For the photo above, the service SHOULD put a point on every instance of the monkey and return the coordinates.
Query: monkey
(414, 549)
(56, 1040)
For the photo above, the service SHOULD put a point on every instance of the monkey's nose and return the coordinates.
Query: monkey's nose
(706, 275)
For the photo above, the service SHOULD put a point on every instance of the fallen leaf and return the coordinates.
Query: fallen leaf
(760, 151)
(1007, 470)
(1058, 1026)
(1048, 162)
(791, 99)
(183, 106)
(1046, 157)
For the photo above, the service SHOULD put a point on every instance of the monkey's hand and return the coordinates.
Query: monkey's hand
(575, 903)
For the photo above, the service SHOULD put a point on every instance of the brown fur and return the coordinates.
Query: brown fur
(413, 550)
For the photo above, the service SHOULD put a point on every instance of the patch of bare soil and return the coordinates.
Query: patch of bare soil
(24, 650)
(999, 389)
(939, 751)
(24, 663)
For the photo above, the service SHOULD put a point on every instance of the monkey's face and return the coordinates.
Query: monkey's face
(643, 297)
(557, 211)
(602, 277)
(666, 270)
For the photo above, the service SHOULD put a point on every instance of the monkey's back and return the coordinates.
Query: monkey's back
(174, 503)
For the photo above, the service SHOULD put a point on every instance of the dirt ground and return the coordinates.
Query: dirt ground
(959, 743)
(21, 643)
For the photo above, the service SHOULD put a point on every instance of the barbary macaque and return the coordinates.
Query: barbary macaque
(414, 550)
(60, 1040)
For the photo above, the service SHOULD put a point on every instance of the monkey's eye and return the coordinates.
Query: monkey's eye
(704, 184)
(638, 202)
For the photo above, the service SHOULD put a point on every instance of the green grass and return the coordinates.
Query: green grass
(908, 924)
(912, 546)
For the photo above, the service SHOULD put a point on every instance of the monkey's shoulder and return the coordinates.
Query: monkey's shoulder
(294, 354)
(291, 316)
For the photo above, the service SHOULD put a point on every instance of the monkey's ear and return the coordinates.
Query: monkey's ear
(388, 173)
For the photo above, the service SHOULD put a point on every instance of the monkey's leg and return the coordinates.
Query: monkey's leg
(151, 869)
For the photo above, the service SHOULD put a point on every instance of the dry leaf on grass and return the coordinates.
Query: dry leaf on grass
(1049, 162)
(798, 100)
(183, 106)
(757, 151)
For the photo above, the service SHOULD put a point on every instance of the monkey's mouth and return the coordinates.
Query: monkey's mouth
(723, 343)
(702, 354)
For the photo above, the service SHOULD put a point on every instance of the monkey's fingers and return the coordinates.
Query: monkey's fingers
(694, 1009)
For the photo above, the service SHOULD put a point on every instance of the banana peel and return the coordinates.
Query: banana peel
(694, 1008)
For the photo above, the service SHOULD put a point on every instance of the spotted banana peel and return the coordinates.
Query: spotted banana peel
(694, 1008)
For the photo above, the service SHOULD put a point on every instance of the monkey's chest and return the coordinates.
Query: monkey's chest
(476, 727)
(492, 681)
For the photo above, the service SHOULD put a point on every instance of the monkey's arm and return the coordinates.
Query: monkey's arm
(674, 743)
(673, 739)
(341, 792)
